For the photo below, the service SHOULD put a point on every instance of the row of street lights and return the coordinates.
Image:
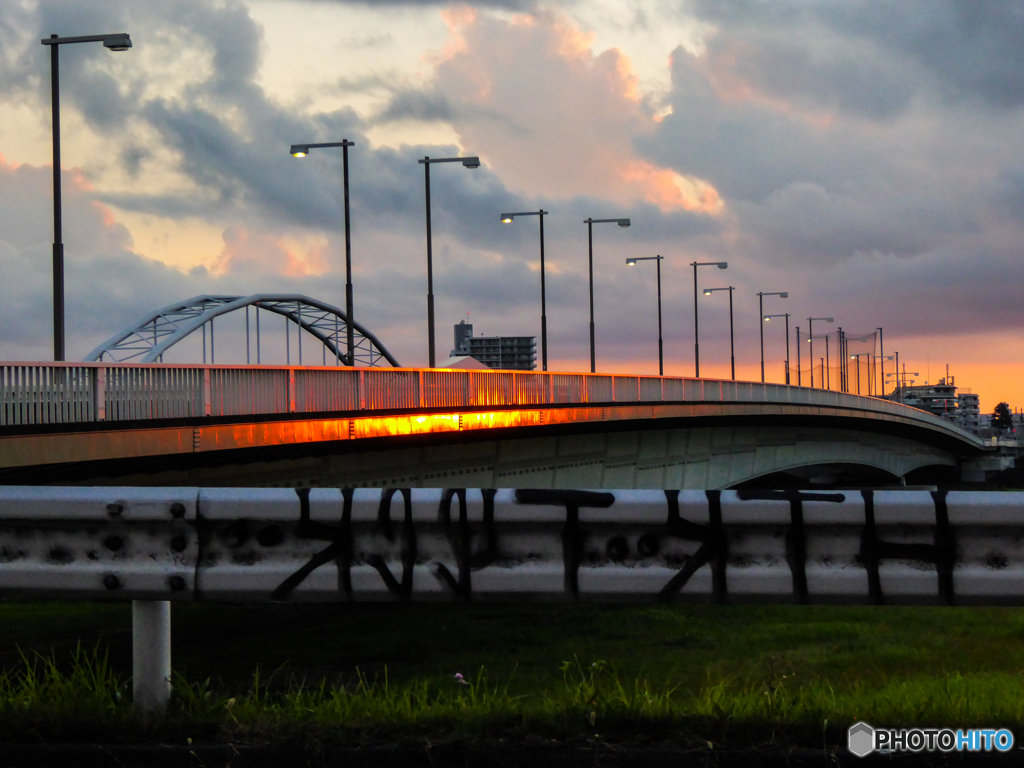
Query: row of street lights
(121, 41)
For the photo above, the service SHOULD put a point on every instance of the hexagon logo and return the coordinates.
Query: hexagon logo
(860, 739)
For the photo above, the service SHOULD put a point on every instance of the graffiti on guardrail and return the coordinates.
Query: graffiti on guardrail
(472, 544)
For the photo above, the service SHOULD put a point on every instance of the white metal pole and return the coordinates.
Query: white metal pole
(151, 656)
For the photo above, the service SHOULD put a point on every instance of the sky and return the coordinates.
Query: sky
(865, 157)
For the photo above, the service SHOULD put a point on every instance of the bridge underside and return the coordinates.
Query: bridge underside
(724, 450)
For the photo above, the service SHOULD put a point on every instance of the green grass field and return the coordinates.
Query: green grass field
(686, 675)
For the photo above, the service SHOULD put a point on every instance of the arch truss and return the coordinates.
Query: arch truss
(147, 340)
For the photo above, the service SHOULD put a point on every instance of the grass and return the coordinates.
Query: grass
(682, 675)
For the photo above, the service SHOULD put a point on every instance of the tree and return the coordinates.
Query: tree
(1002, 418)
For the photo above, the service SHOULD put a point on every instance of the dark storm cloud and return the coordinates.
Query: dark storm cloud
(416, 105)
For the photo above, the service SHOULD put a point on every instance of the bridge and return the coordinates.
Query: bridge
(208, 425)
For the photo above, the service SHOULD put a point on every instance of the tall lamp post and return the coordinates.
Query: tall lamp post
(857, 356)
(301, 150)
(760, 307)
(590, 250)
(661, 347)
(810, 340)
(468, 162)
(507, 218)
(766, 318)
(696, 326)
(732, 341)
(118, 41)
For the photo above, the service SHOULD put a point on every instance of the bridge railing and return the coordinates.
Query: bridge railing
(64, 393)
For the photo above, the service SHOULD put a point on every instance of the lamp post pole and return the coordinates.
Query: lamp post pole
(760, 306)
(696, 325)
(118, 41)
(799, 379)
(765, 319)
(468, 162)
(810, 340)
(301, 150)
(508, 218)
(732, 344)
(661, 347)
(590, 260)
(881, 355)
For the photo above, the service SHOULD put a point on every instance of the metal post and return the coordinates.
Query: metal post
(58, 240)
(696, 342)
(151, 656)
(430, 271)
(799, 380)
(810, 340)
(732, 345)
(287, 343)
(787, 347)
(247, 355)
(661, 344)
(213, 345)
(348, 263)
(298, 331)
(204, 343)
(258, 359)
(590, 251)
(828, 367)
(543, 300)
(760, 317)
(881, 347)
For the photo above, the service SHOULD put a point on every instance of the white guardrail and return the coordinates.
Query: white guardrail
(61, 393)
(154, 545)
(429, 544)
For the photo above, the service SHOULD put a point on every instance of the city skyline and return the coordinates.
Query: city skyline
(862, 158)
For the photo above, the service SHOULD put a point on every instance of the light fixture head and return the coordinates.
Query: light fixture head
(471, 162)
(631, 262)
(299, 150)
(506, 218)
(117, 42)
(784, 295)
(623, 223)
(766, 319)
(707, 292)
(828, 320)
(723, 265)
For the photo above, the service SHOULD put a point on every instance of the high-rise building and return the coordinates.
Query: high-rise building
(516, 353)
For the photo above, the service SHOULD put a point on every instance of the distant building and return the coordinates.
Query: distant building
(516, 353)
(942, 399)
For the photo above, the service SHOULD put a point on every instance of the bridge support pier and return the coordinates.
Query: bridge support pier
(151, 656)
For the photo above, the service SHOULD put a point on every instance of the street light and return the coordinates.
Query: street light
(696, 340)
(766, 319)
(301, 150)
(118, 41)
(732, 346)
(468, 162)
(590, 250)
(760, 305)
(661, 346)
(507, 219)
(810, 339)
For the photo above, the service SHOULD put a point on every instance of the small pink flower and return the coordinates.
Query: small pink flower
(460, 679)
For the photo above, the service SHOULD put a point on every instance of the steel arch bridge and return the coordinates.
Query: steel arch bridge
(147, 340)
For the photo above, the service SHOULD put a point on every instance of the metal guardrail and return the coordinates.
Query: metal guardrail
(154, 545)
(243, 544)
(63, 393)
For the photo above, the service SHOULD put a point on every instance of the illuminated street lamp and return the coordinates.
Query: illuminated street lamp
(118, 41)
(766, 319)
(732, 346)
(760, 306)
(661, 347)
(301, 150)
(590, 250)
(468, 162)
(810, 340)
(507, 218)
(696, 339)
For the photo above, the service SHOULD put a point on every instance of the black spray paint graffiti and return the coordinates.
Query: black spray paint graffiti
(474, 547)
